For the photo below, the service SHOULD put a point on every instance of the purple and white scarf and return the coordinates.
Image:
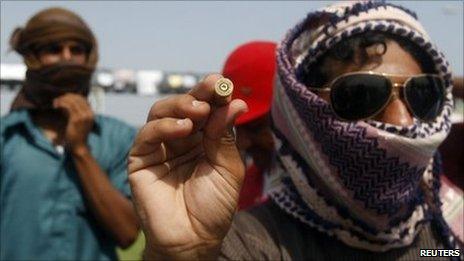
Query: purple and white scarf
(370, 184)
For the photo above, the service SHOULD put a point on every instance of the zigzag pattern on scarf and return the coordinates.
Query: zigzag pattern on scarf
(416, 199)
(367, 163)
(342, 211)
(289, 200)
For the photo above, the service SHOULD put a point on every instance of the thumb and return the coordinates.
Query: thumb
(219, 139)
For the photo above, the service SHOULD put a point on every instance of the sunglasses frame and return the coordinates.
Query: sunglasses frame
(393, 85)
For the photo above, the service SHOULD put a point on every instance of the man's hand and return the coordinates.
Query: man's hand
(185, 173)
(80, 119)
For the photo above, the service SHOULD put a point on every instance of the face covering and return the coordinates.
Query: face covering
(43, 85)
(371, 185)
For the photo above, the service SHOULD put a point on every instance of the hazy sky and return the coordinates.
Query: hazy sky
(197, 36)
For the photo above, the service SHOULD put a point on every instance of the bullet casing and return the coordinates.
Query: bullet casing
(223, 87)
(223, 91)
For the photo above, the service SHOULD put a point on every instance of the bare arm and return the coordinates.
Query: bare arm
(111, 208)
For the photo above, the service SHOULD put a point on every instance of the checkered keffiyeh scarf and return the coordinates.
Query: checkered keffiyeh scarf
(372, 185)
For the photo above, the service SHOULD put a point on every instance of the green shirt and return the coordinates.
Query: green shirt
(43, 210)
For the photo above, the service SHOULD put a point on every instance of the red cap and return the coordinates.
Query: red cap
(251, 67)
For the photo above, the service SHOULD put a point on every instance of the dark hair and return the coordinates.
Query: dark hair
(314, 74)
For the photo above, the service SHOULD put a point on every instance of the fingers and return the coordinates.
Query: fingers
(160, 154)
(158, 170)
(154, 132)
(73, 105)
(179, 106)
(61, 103)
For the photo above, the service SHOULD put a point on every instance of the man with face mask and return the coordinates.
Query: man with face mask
(362, 101)
(64, 189)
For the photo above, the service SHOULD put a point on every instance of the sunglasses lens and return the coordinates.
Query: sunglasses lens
(425, 95)
(359, 96)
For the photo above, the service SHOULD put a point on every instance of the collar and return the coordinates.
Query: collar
(22, 117)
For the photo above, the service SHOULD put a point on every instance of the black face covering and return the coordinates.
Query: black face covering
(43, 85)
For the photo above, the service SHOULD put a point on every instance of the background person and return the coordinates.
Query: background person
(251, 67)
(64, 190)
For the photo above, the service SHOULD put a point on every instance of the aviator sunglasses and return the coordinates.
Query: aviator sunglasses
(362, 95)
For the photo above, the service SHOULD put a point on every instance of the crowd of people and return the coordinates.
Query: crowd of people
(326, 150)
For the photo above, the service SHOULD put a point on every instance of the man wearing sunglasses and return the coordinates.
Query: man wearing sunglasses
(64, 189)
(362, 101)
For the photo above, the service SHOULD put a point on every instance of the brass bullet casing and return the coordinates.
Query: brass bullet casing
(223, 91)
(223, 87)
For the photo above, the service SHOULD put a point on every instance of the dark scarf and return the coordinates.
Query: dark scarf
(43, 85)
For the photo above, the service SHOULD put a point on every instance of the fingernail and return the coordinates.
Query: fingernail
(181, 122)
(196, 103)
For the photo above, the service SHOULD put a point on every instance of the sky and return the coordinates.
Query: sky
(197, 36)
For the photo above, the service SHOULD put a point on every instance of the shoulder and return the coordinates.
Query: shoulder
(271, 218)
(11, 119)
(260, 218)
(254, 234)
(9, 122)
(267, 232)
